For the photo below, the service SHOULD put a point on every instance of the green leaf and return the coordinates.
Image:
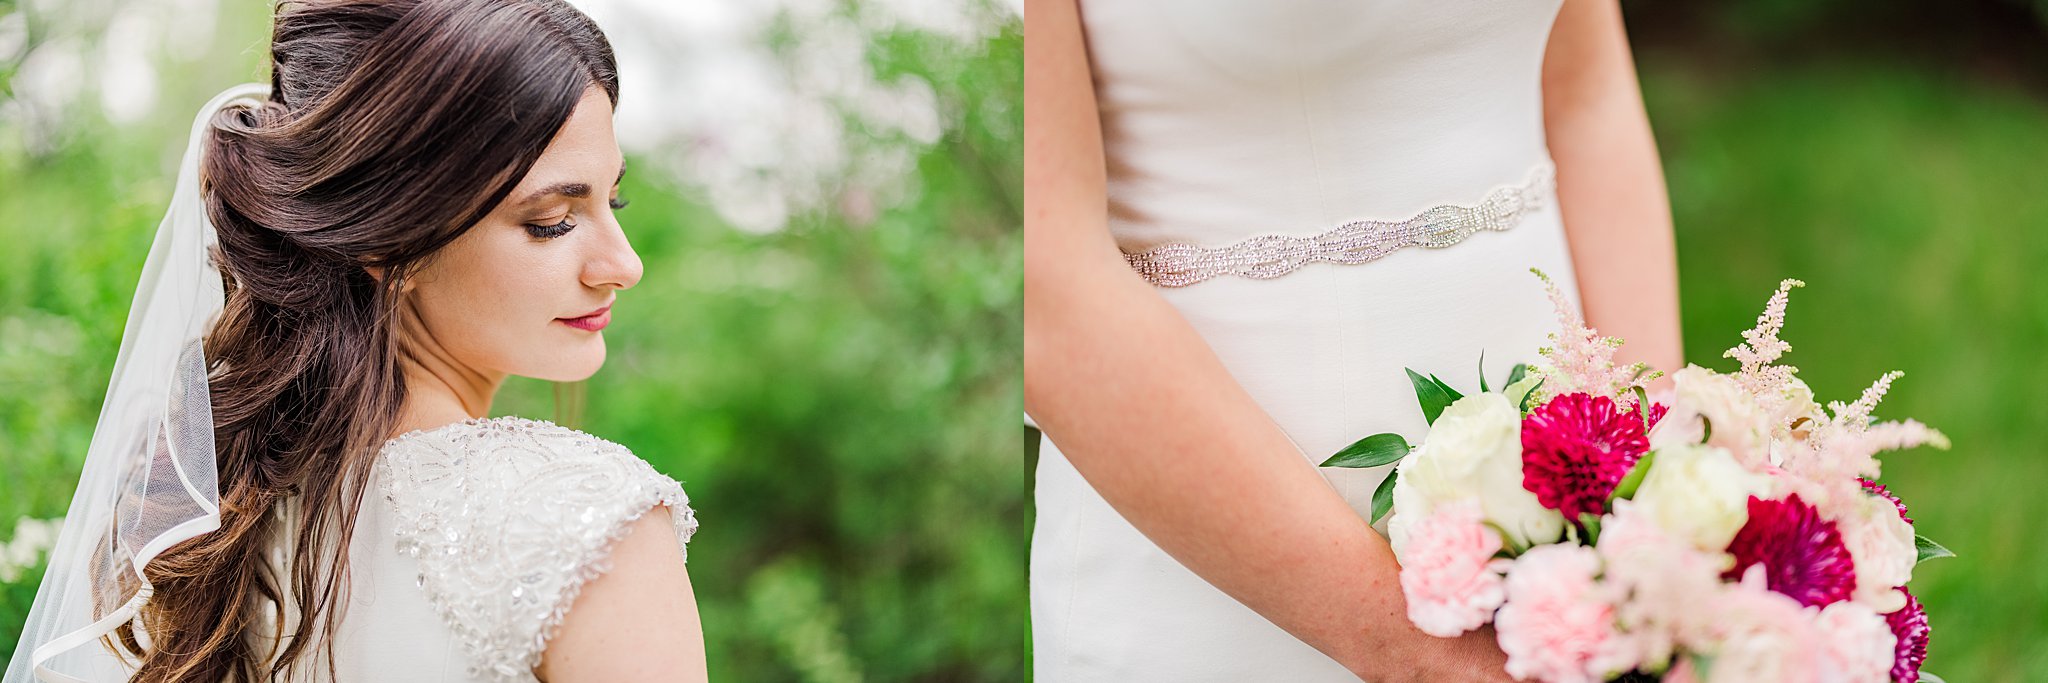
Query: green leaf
(1383, 497)
(1515, 375)
(1371, 451)
(1509, 545)
(1524, 408)
(1431, 395)
(1642, 405)
(1703, 667)
(1482, 371)
(1626, 490)
(1706, 429)
(1929, 549)
(1929, 677)
(1448, 391)
(1591, 523)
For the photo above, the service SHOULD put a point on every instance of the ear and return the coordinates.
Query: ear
(378, 272)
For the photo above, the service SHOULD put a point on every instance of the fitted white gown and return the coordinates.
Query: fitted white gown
(472, 542)
(1229, 120)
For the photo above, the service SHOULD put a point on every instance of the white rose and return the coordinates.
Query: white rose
(1699, 493)
(1882, 545)
(1798, 404)
(1410, 506)
(1474, 451)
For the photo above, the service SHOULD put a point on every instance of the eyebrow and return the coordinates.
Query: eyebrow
(577, 190)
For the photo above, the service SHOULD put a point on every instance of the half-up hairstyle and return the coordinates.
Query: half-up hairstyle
(391, 128)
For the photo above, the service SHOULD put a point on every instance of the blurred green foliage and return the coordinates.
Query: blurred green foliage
(1915, 206)
(838, 397)
(1952, 27)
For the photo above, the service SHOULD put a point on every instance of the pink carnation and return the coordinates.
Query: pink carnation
(1449, 574)
(1857, 643)
(1658, 580)
(1757, 634)
(1558, 625)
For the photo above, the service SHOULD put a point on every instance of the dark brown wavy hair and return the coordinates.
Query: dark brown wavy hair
(391, 128)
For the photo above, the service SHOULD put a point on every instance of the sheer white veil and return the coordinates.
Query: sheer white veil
(148, 481)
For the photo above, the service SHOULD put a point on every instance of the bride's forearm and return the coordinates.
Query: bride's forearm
(1154, 422)
(1150, 417)
(1610, 185)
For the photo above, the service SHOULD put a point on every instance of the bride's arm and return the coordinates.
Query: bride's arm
(1609, 183)
(635, 622)
(1151, 418)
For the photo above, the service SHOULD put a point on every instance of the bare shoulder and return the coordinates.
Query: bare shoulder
(638, 620)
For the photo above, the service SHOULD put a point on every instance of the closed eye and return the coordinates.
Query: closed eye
(548, 232)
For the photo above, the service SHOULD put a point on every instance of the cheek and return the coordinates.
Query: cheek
(490, 303)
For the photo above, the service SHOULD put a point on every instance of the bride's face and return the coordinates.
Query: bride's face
(528, 291)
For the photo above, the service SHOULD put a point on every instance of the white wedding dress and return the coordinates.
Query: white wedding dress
(1281, 170)
(472, 542)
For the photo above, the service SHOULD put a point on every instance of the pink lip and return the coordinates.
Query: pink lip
(592, 322)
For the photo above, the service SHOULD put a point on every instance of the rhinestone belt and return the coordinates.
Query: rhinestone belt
(1269, 256)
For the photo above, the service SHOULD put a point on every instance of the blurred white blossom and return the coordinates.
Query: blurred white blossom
(768, 108)
(774, 108)
(24, 550)
(108, 53)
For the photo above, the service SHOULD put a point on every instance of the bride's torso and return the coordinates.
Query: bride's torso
(471, 543)
(1224, 119)
(1241, 138)
(1228, 123)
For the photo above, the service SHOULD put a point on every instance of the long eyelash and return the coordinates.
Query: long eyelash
(548, 232)
(620, 203)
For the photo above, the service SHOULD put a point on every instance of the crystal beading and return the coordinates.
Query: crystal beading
(1265, 257)
(509, 518)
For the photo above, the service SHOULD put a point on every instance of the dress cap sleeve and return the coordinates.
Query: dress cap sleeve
(508, 519)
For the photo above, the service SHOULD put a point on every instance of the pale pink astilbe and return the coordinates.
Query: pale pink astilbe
(1858, 413)
(1761, 348)
(1853, 452)
(1579, 360)
(1845, 445)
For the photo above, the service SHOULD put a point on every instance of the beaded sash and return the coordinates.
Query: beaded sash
(1269, 256)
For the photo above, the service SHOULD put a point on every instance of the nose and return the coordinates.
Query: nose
(612, 263)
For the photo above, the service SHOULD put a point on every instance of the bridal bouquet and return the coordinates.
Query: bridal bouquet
(1731, 527)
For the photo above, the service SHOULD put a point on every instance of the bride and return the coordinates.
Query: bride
(1243, 220)
(292, 477)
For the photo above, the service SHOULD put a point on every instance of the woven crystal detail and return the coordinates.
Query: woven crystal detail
(1269, 256)
(509, 518)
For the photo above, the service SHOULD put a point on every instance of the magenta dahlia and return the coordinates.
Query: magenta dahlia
(1576, 448)
(1909, 626)
(1881, 492)
(1802, 554)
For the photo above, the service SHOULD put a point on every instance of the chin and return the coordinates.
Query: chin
(573, 364)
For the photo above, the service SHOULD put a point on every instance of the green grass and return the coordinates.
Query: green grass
(1915, 207)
